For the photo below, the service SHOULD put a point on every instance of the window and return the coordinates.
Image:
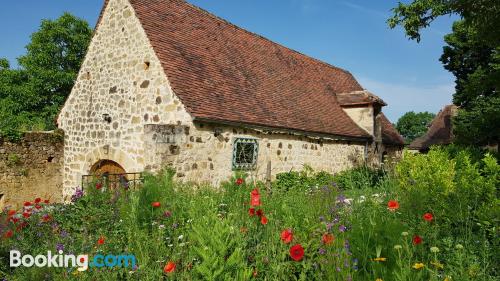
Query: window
(245, 154)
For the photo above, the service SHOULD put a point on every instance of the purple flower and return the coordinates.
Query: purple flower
(59, 247)
(64, 234)
(78, 194)
(339, 269)
(342, 228)
(341, 199)
(167, 214)
(175, 225)
(321, 251)
(321, 218)
(135, 267)
(336, 220)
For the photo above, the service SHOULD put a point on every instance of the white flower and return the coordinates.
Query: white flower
(434, 249)
(398, 247)
(170, 245)
(180, 237)
(161, 226)
(404, 233)
(182, 244)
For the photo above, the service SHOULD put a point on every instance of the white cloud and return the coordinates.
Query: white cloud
(403, 98)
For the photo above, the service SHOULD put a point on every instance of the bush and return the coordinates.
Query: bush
(360, 178)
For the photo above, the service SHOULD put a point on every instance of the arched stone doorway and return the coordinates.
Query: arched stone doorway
(106, 167)
(109, 173)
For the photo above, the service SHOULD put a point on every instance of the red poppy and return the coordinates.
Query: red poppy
(169, 267)
(239, 181)
(38, 200)
(156, 204)
(327, 238)
(11, 213)
(26, 215)
(100, 241)
(98, 185)
(27, 204)
(286, 236)
(297, 252)
(417, 240)
(46, 201)
(393, 205)
(8, 234)
(260, 213)
(38, 206)
(255, 197)
(14, 219)
(251, 212)
(263, 220)
(21, 226)
(428, 217)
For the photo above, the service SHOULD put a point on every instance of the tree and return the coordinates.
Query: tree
(31, 96)
(413, 125)
(472, 55)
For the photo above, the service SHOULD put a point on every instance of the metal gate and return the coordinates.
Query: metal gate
(123, 180)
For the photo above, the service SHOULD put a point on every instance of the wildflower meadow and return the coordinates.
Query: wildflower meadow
(429, 217)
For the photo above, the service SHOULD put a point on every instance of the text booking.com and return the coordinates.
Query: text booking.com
(82, 262)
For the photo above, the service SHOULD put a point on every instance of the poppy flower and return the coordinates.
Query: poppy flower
(255, 273)
(8, 234)
(393, 205)
(26, 215)
(14, 220)
(27, 204)
(286, 236)
(98, 185)
(100, 241)
(169, 267)
(263, 220)
(21, 226)
(428, 217)
(260, 213)
(417, 240)
(46, 201)
(38, 200)
(11, 213)
(239, 181)
(38, 206)
(255, 197)
(327, 238)
(167, 214)
(297, 252)
(156, 204)
(251, 212)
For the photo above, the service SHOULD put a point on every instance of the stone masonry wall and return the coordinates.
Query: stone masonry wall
(31, 168)
(122, 77)
(199, 156)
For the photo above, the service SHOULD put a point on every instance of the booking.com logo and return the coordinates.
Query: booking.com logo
(80, 261)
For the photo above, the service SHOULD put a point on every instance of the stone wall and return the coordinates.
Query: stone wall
(31, 168)
(198, 155)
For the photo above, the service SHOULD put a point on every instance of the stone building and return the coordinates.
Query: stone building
(165, 83)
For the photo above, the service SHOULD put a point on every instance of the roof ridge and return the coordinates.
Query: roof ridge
(263, 37)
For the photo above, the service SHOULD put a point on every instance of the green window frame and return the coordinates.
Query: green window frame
(245, 151)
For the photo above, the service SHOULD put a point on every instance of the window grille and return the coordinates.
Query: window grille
(245, 152)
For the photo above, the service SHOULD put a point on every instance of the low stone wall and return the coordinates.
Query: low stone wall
(31, 168)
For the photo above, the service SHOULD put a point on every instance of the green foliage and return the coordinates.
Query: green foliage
(13, 159)
(209, 234)
(413, 125)
(359, 178)
(302, 180)
(471, 54)
(31, 96)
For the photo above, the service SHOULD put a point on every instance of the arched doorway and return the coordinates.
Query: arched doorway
(106, 167)
(109, 173)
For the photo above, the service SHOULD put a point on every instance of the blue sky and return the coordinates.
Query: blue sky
(351, 34)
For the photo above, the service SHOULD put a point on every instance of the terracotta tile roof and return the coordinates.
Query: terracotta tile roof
(223, 73)
(390, 136)
(359, 98)
(440, 131)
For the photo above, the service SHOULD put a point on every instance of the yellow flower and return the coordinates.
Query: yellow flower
(437, 264)
(418, 265)
(447, 278)
(379, 259)
(379, 279)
